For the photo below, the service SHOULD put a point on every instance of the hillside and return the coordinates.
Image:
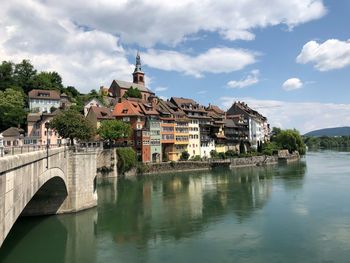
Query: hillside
(337, 131)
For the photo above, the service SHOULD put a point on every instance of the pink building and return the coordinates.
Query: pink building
(38, 134)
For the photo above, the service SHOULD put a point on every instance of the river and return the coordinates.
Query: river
(288, 213)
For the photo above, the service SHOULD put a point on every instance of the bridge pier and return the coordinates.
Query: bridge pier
(27, 187)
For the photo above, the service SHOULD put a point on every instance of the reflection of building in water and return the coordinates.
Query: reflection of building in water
(195, 197)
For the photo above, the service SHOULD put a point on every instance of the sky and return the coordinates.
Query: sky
(290, 60)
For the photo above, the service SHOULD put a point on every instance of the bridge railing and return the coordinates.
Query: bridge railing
(14, 150)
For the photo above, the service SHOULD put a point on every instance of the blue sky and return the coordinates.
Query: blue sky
(288, 59)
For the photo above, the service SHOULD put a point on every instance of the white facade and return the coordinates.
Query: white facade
(193, 147)
(89, 104)
(206, 148)
(256, 132)
(43, 105)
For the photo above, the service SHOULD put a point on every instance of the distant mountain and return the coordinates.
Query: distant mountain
(337, 131)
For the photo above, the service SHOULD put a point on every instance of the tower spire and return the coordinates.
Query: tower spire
(138, 62)
(138, 75)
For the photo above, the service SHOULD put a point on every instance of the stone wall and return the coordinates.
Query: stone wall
(170, 167)
(107, 163)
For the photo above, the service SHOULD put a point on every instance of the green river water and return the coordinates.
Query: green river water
(285, 213)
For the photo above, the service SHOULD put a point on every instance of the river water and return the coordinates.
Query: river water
(287, 213)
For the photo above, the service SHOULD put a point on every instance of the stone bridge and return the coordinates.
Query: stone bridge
(53, 182)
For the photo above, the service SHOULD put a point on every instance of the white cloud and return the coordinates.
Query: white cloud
(85, 59)
(304, 116)
(83, 40)
(215, 60)
(149, 22)
(251, 79)
(292, 84)
(160, 89)
(329, 55)
(202, 92)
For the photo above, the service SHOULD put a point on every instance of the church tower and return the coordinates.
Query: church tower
(138, 75)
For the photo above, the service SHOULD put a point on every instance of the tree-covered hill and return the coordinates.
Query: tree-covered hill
(337, 131)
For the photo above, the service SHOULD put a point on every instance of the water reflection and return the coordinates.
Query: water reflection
(171, 207)
(135, 216)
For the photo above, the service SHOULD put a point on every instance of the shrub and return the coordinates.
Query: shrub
(142, 168)
(196, 158)
(231, 154)
(165, 157)
(270, 148)
(184, 156)
(126, 159)
(172, 164)
(222, 156)
(214, 154)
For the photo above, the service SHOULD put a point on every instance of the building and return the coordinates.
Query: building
(130, 112)
(98, 114)
(257, 123)
(236, 133)
(198, 117)
(152, 124)
(93, 102)
(44, 100)
(13, 137)
(167, 125)
(217, 130)
(37, 134)
(119, 87)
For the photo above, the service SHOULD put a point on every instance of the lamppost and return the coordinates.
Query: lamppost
(47, 126)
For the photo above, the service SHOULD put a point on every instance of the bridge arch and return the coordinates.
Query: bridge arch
(50, 195)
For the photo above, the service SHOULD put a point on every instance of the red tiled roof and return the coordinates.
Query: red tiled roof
(127, 108)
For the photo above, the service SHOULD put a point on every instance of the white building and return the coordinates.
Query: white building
(93, 102)
(193, 147)
(43, 100)
(207, 147)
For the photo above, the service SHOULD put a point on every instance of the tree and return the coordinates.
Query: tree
(23, 75)
(184, 156)
(71, 125)
(113, 130)
(126, 159)
(48, 81)
(6, 75)
(133, 93)
(242, 149)
(11, 108)
(290, 140)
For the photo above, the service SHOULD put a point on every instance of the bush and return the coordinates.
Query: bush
(270, 148)
(172, 164)
(222, 156)
(196, 158)
(214, 154)
(231, 154)
(126, 159)
(165, 157)
(142, 168)
(184, 156)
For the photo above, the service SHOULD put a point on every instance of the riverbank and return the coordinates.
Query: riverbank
(186, 166)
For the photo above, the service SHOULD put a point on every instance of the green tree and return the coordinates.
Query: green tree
(11, 108)
(71, 125)
(6, 75)
(133, 93)
(114, 129)
(126, 159)
(291, 140)
(48, 81)
(184, 156)
(23, 75)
